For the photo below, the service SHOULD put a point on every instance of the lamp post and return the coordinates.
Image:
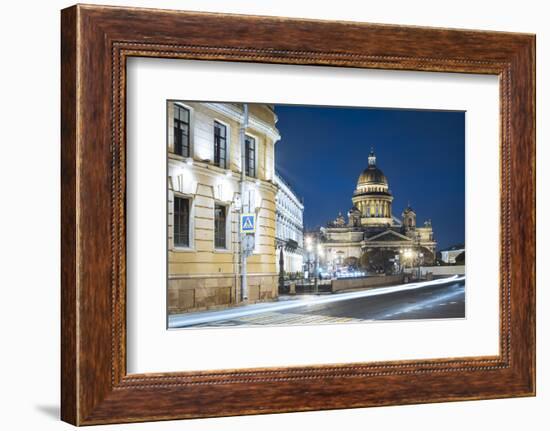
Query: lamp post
(418, 254)
(309, 249)
(245, 206)
(314, 247)
(319, 254)
(408, 257)
(281, 270)
(413, 257)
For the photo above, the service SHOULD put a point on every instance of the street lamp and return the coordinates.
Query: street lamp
(418, 253)
(414, 256)
(420, 258)
(308, 244)
(408, 257)
(309, 249)
(314, 246)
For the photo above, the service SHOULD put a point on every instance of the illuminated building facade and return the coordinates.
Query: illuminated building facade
(204, 172)
(289, 228)
(372, 237)
(450, 255)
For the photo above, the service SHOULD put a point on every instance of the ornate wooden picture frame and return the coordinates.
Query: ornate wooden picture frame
(96, 41)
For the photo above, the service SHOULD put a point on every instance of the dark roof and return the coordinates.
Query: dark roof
(286, 183)
(453, 247)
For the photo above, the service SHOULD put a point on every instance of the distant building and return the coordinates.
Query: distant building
(289, 232)
(204, 171)
(449, 255)
(372, 236)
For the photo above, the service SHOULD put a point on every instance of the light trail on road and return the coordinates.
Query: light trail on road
(201, 318)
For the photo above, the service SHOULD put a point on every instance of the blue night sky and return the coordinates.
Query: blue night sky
(323, 150)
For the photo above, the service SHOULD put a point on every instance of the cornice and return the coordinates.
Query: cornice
(237, 115)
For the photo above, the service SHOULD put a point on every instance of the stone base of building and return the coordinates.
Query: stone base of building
(188, 294)
(350, 284)
(444, 270)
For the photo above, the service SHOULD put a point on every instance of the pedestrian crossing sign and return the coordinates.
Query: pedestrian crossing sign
(248, 223)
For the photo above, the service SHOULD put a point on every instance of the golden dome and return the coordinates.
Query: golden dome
(372, 175)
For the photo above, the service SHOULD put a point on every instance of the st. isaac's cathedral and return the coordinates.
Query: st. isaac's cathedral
(372, 237)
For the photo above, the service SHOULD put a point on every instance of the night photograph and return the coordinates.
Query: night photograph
(304, 215)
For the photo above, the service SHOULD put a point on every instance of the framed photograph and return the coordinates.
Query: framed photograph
(267, 215)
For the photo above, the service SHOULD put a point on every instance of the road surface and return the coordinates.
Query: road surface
(427, 300)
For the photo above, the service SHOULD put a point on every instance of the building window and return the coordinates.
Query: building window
(220, 219)
(220, 145)
(250, 156)
(181, 131)
(181, 221)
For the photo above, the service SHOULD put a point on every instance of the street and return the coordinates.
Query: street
(444, 298)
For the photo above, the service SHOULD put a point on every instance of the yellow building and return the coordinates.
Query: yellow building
(204, 173)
